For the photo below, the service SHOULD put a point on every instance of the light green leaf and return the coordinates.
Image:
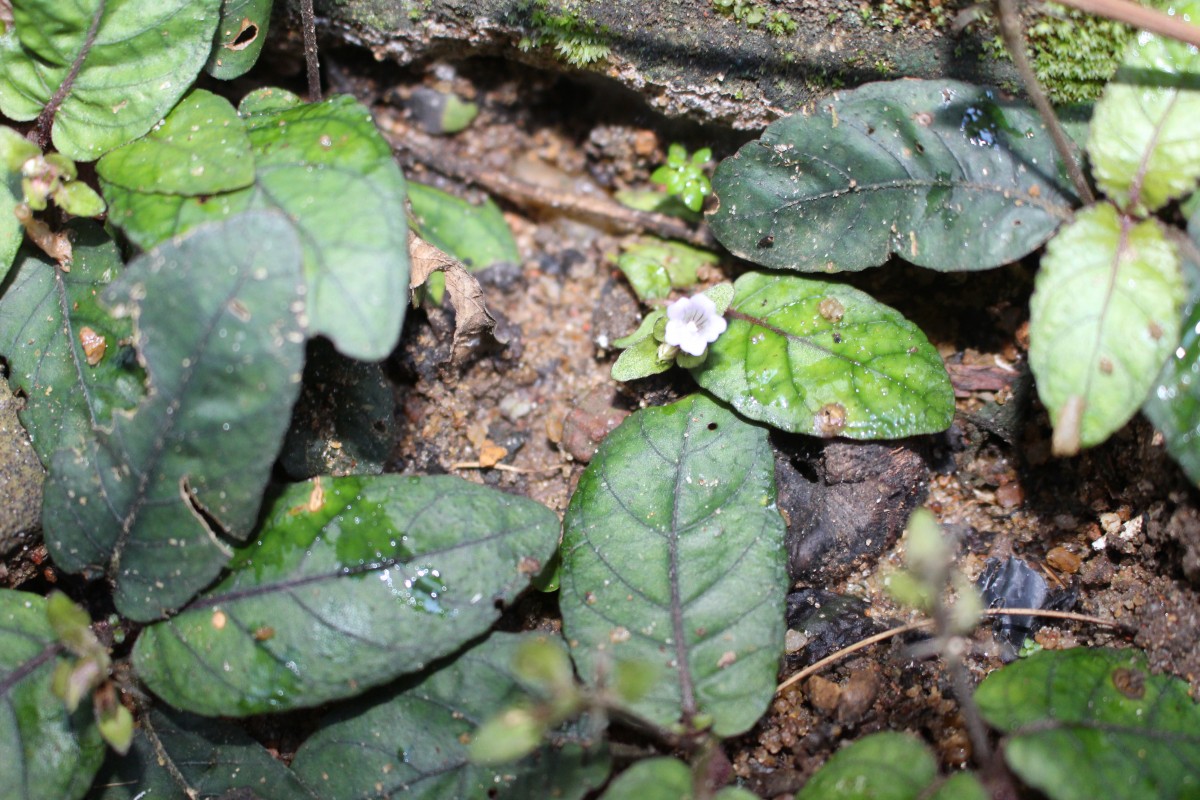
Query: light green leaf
(1086, 723)
(477, 235)
(15, 150)
(673, 554)
(424, 729)
(240, 37)
(825, 359)
(49, 754)
(353, 581)
(49, 317)
(655, 266)
(1142, 142)
(214, 758)
(141, 58)
(268, 100)
(79, 200)
(216, 322)
(201, 148)
(664, 779)
(1103, 319)
(888, 766)
(941, 173)
(326, 167)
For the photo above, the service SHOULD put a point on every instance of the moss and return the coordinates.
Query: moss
(1073, 53)
(753, 14)
(577, 40)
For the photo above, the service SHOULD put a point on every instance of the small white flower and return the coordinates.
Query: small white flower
(693, 323)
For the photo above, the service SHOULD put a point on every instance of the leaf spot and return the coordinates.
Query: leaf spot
(1130, 682)
(219, 619)
(93, 344)
(830, 420)
(726, 659)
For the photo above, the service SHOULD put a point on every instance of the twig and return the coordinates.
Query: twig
(504, 467)
(40, 133)
(883, 636)
(522, 193)
(308, 22)
(1148, 19)
(1014, 40)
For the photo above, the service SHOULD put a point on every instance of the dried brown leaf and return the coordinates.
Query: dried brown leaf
(471, 318)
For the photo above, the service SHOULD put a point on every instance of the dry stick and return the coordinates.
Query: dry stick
(1148, 19)
(522, 193)
(882, 636)
(1014, 40)
(309, 24)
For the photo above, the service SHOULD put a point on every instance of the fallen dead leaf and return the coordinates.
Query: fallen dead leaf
(471, 317)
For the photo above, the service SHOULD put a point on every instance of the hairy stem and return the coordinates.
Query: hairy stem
(1014, 40)
(309, 24)
(40, 133)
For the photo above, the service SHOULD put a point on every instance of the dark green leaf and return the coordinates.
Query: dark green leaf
(1087, 723)
(216, 321)
(212, 757)
(327, 168)
(141, 58)
(664, 779)
(201, 148)
(888, 766)
(49, 317)
(827, 360)
(939, 172)
(673, 555)
(477, 235)
(1174, 403)
(1142, 143)
(412, 742)
(353, 581)
(1103, 321)
(49, 754)
(240, 37)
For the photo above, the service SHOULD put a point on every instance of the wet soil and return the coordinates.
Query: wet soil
(1119, 524)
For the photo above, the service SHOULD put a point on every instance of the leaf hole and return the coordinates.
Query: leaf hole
(245, 36)
(712, 426)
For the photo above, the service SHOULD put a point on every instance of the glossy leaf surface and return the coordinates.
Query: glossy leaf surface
(326, 167)
(941, 173)
(51, 321)
(1174, 402)
(241, 34)
(217, 324)
(888, 766)
(201, 148)
(1142, 142)
(476, 235)
(826, 359)
(1103, 319)
(352, 582)
(1090, 722)
(412, 742)
(664, 779)
(137, 58)
(673, 556)
(49, 753)
(15, 150)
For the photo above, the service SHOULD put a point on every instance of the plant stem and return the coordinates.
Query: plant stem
(1148, 19)
(308, 22)
(1014, 40)
(40, 133)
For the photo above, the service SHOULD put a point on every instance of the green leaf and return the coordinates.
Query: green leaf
(673, 554)
(353, 581)
(888, 766)
(214, 759)
(476, 235)
(135, 60)
(664, 779)
(216, 322)
(50, 754)
(15, 150)
(938, 172)
(1088, 723)
(413, 741)
(825, 359)
(1142, 142)
(655, 266)
(201, 148)
(326, 167)
(240, 37)
(268, 100)
(49, 316)
(79, 199)
(1174, 403)
(1103, 320)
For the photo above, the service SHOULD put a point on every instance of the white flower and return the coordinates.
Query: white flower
(692, 323)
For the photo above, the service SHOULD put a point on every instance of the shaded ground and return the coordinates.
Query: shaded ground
(1119, 524)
